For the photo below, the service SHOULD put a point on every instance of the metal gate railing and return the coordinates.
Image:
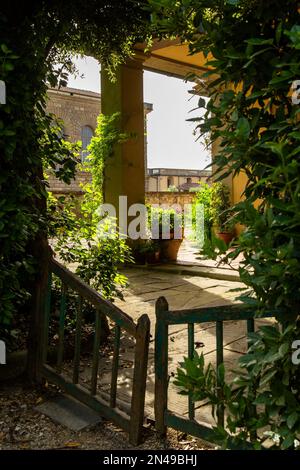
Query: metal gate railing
(131, 421)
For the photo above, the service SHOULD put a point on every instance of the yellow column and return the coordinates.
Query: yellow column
(124, 174)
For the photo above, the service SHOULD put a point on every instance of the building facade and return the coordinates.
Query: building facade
(166, 179)
(78, 109)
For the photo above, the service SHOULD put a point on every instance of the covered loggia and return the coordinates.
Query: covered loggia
(125, 174)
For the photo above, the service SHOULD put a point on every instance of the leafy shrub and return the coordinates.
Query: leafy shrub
(262, 402)
(254, 52)
(96, 260)
(214, 199)
(172, 189)
(221, 207)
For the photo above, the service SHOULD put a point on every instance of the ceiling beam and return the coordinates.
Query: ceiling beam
(156, 45)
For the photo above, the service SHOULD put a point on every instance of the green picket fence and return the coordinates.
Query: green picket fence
(131, 421)
(164, 318)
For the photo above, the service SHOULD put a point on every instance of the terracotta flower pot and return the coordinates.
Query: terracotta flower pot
(170, 248)
(225, 236)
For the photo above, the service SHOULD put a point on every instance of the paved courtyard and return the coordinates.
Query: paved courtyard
(182, 292)
(189, 251)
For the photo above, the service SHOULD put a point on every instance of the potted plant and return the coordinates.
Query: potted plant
(146, 251)
(169, 231)
(151, 249)
(222, 213)
(138, 254)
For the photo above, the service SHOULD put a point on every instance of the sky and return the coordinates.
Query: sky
(171, 143)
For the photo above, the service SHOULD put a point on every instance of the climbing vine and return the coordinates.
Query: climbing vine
(34, 38)
(108, 135)
(81, 234)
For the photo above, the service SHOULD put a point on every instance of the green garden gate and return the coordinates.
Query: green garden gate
(164, 318)
(131, 421)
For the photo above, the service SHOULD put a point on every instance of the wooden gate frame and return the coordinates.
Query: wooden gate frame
(164, 317)
(107, 407)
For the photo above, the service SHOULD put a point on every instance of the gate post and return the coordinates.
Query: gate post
(139, 379)
(161, 365)
(35, 339)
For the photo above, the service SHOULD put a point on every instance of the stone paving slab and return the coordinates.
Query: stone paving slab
(191, 269)
(69, 412)
(189, 252)
(145, 286)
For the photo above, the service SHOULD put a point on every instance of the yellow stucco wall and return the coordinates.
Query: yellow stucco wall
(238, 185)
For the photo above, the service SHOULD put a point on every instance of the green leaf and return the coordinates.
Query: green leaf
(288, 442)
(284, 76)
(292, 419)
(295, 135)
(4, 48)
(201, 102)
(243, 128)
(259, 41)
(267, 377)
(284, 348)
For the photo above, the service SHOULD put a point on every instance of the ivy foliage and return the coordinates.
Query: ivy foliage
(108, 135)
(34, 38)
(262, 403)
(252, 50)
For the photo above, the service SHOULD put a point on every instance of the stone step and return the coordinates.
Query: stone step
(185, 268)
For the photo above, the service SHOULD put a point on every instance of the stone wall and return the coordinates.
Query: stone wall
(169, 198)
(58, 187)
(152, 197)
(77, 108)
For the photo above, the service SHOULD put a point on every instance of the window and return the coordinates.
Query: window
(86, 135)
(189, 180)
(170, 181)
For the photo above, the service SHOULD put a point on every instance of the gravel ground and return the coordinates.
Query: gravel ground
(21, 427)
